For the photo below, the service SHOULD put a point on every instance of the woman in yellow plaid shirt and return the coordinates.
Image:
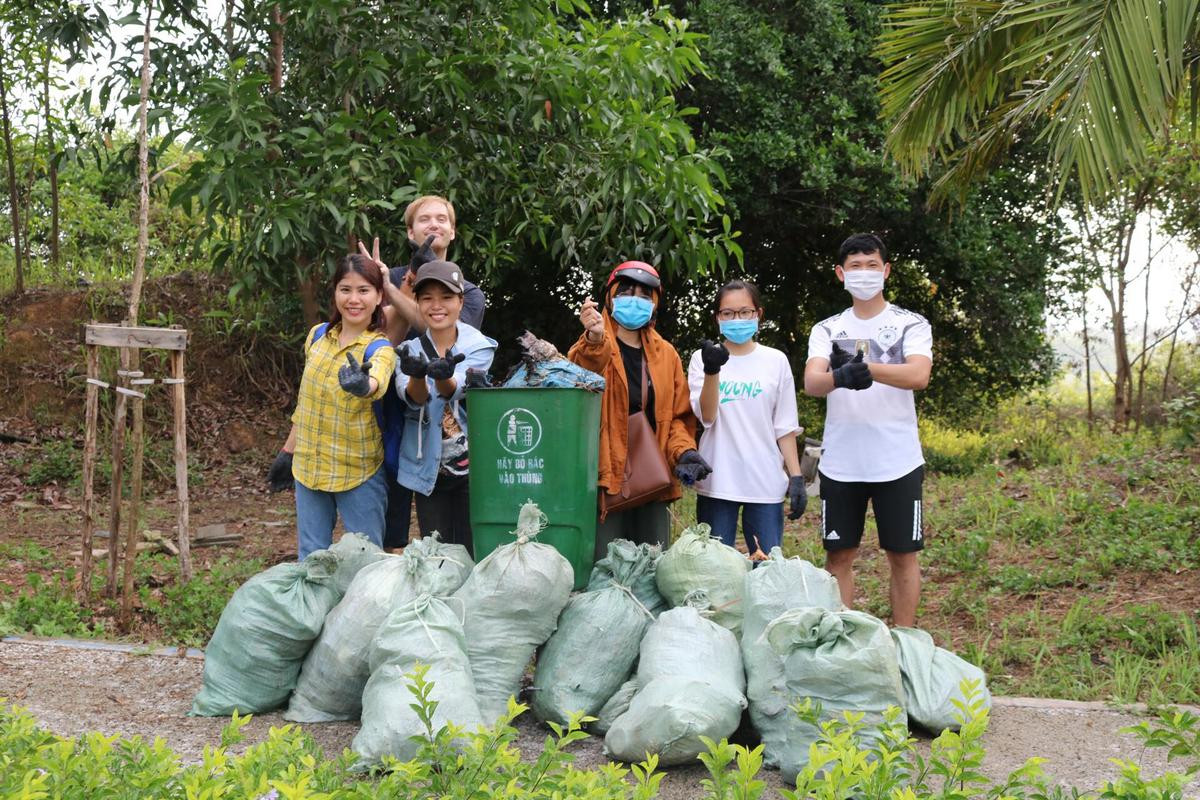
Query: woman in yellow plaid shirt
(335, 447)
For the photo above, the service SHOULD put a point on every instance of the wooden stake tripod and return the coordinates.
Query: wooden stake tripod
(129, 385)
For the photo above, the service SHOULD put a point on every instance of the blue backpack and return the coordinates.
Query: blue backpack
(389, 411)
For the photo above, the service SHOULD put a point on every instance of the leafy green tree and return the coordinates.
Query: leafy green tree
(790, 97)
(1098, 83)
(558, 138)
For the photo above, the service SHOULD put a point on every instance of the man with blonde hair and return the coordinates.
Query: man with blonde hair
(429, 220)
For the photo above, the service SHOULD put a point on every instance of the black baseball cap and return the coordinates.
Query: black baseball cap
(446, 273)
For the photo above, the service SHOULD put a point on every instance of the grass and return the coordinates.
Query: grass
(1065, 563)
(182, 613)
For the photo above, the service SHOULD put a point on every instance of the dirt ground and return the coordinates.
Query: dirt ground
(73, 690)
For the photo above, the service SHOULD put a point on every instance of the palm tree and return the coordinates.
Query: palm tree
(1099, 82)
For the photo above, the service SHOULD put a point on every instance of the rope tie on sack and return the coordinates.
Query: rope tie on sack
(632, 597)
(418, 607)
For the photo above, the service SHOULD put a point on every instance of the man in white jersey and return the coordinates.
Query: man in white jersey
(867, 361)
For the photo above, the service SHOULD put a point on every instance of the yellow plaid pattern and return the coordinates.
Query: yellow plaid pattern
(338, 442)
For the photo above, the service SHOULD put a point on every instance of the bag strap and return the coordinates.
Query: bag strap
(427, 345)
(645, 381)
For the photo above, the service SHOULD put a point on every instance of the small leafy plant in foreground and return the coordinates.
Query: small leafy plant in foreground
(460, 765)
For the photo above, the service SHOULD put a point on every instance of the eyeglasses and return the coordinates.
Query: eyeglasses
(634, 289)
(726, 314)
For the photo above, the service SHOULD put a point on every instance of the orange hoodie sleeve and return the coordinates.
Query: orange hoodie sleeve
(682, 436)
(590, 355)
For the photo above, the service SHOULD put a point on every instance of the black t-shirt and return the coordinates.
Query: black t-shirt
(632, 356)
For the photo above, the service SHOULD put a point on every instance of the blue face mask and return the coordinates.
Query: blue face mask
(632, 312)
(739, 331)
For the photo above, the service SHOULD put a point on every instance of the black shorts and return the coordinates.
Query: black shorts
(897, 507)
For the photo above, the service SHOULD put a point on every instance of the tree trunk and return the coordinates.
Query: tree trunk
(308, 284)
(143, 239)
(13, 200)
(51, 162)
(1087, 363)
(229, 29)
(1146, 347)
(278, 18)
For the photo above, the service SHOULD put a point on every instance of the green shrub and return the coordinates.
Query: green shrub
(1184, 414)
(952, 451)
(188, 611)
(49, 608)
(484, 764)
(57, 462)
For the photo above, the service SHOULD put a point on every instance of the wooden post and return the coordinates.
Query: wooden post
(90, 414)
(137, 405)
(118, 459)
(181, 476)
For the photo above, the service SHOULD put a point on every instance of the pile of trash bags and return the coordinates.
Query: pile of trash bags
(663, 649)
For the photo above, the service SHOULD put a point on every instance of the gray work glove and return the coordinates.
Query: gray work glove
(355, 378)
(853, 375)
(691, 468)
(412, 365)
(797, 497)
(839, 357)
(279, 476)
(421, 255)
(441, 369)
(713, 356)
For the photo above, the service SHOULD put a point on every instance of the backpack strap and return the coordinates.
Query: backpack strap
(373, 347)
(318, 332)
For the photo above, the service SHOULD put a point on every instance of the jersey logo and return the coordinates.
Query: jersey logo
(832, 536)
(840, 335)
(887, 335)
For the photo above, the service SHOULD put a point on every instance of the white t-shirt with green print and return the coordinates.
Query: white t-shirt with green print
(757, 407)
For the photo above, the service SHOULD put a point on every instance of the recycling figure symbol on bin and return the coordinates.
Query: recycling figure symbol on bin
(520, 431)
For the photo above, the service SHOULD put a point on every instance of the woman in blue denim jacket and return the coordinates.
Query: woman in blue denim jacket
(431, 379)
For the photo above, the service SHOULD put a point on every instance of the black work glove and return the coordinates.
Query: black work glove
(691, 468)
(279, 476)
(414, 366)
(855, 375)
(839, 357)
(421, 255)
(441, 369)
(713, 355)
(797, 497)
(355, 378)
(476, 379)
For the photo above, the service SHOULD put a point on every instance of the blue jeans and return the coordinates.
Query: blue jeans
(361, 508)
(762, 520)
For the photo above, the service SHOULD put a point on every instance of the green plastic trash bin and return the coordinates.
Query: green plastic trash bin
(541, 445)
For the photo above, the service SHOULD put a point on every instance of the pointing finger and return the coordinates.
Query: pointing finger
(375, 249)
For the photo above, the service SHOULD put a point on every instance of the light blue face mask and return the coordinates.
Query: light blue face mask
(632, 312)
(739, 331)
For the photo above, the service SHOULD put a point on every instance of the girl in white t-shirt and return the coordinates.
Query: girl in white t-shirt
(744, 394)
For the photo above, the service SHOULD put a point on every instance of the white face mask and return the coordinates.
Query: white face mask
(863, 284)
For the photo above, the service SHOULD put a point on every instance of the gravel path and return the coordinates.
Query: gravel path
(71, 690)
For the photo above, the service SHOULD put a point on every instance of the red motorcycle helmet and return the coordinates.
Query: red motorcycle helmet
(636, 271)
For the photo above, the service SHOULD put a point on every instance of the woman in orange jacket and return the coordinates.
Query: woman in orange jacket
(617, 341)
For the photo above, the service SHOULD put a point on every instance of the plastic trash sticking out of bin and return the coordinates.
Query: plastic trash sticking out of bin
(543, 367)
(541, 445)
